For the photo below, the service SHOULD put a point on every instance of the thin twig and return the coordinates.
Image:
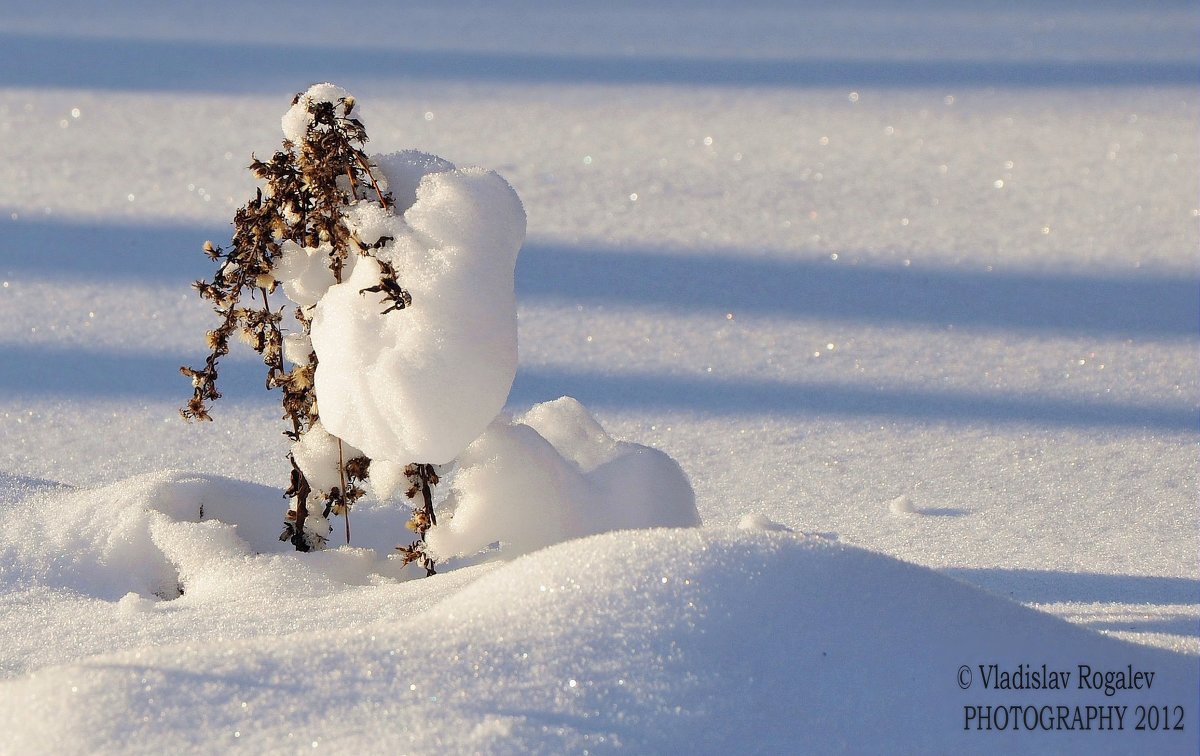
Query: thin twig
(345, 491)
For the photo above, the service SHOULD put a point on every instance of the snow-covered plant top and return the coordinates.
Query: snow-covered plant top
(401, 349)
(424, 384)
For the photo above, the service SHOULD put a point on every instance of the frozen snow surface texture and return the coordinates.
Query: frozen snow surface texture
(651, 641)
(919, 277)
(420, 383)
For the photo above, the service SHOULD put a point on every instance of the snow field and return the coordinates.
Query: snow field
(836, 262)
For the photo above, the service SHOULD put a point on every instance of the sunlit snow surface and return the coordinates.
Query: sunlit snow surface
(915, 281)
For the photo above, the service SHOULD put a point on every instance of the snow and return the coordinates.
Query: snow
(554, 476)
(755, 522)
(901, 505)
(833, 260)
(576, 648)
(421, 383)
(297, 121)
(322, 458)
(304, 272)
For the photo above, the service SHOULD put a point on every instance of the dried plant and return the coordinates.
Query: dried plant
(308, 187)
(421, 479)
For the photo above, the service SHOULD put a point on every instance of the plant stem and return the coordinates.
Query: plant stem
(345, 496)
(301, 490)
(427, 496)
(374, 184)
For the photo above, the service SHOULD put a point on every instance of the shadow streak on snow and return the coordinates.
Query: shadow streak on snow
(942, 512)
(1050, 586)
(1137, 305)
(740, 283)
(74, 372)
(713, 395)
(29, 60)
(78, 372)
(82, 250)
(1176, 624)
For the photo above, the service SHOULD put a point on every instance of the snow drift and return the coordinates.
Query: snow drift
(650, 640)
(553, 475)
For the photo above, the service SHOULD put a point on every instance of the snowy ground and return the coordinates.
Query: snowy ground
(918, 279)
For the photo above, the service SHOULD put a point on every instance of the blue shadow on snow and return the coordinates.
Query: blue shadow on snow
(1136, 305)
(57, 370)
(1051, 586)
(714, 395)
(730, 282)
(30, 60)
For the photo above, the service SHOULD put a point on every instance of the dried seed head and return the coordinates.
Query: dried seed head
(301, 378)
(358, 467)
(247, 335)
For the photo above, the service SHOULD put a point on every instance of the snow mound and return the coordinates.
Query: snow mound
(13, 488)
(420, 383)
(651, 641)
(902, 505)
(125, 538)
(760, 522)
(555, 475)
